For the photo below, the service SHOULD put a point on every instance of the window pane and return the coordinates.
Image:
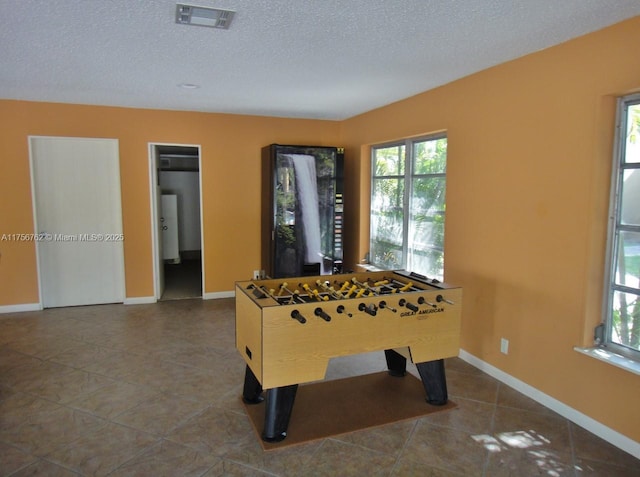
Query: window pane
(628, 260)
(389, 161)
(387, 217)
(630, 206)
(387, 195)
(430, 157)
(387, 256)
(426, 227)
(429, 263)
(427, 197)
(632, 153)
(625, 329)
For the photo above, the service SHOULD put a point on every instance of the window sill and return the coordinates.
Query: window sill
(367, 267)
(607, 356)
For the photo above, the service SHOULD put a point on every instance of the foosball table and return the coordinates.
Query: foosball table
(287, 330)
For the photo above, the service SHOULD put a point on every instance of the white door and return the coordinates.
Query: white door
(78, 216)
(169, 221)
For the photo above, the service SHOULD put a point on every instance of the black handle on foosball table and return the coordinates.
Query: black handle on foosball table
(295, 314)
(411, 306)
(341, 309)
(422, 301)
(370, 309)
(321, 314)
(440, 299)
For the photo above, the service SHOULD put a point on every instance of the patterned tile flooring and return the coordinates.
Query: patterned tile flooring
(154, 390)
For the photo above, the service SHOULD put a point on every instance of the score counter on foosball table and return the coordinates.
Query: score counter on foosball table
(287, 330)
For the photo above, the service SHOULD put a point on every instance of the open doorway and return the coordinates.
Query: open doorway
(177, 221)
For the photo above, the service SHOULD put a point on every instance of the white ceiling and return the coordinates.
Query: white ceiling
(325, 59)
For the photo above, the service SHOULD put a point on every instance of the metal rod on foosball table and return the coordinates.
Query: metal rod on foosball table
(364, 288)
(350, 291)
(314, 293)
(330, 290)
(403, 286)
(270, 292)
(344, 286)
(384, 288)
(294, 294)
(279, 297)
(440, 298)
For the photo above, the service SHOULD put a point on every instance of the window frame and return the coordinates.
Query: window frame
(409, 177)
(604, 332)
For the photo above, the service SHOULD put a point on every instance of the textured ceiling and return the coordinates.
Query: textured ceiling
(326, 59)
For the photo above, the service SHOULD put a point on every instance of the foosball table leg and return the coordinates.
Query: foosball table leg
(278, 407)
(252, 391)
(396, 363)
(434, 381)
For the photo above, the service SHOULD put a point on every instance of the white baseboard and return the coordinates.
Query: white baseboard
(140, 300)
(614, 437)
(216, 295)
(21, 307)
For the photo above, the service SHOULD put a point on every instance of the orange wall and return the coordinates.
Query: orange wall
(230, 184)
(530, 147)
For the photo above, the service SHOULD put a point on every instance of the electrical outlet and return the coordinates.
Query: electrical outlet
(256, 274)
(504, 345)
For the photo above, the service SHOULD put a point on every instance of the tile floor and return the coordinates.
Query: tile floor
(154, 390)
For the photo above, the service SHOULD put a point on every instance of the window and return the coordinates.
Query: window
(622, 294)
(408, 180)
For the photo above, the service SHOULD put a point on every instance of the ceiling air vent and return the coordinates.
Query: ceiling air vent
(203, 16)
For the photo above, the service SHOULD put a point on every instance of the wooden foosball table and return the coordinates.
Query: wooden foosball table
(287, 330)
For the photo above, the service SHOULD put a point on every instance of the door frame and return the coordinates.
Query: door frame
(156, 253)
(36, 230)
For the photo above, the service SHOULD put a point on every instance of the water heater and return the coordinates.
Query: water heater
(302, 210)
